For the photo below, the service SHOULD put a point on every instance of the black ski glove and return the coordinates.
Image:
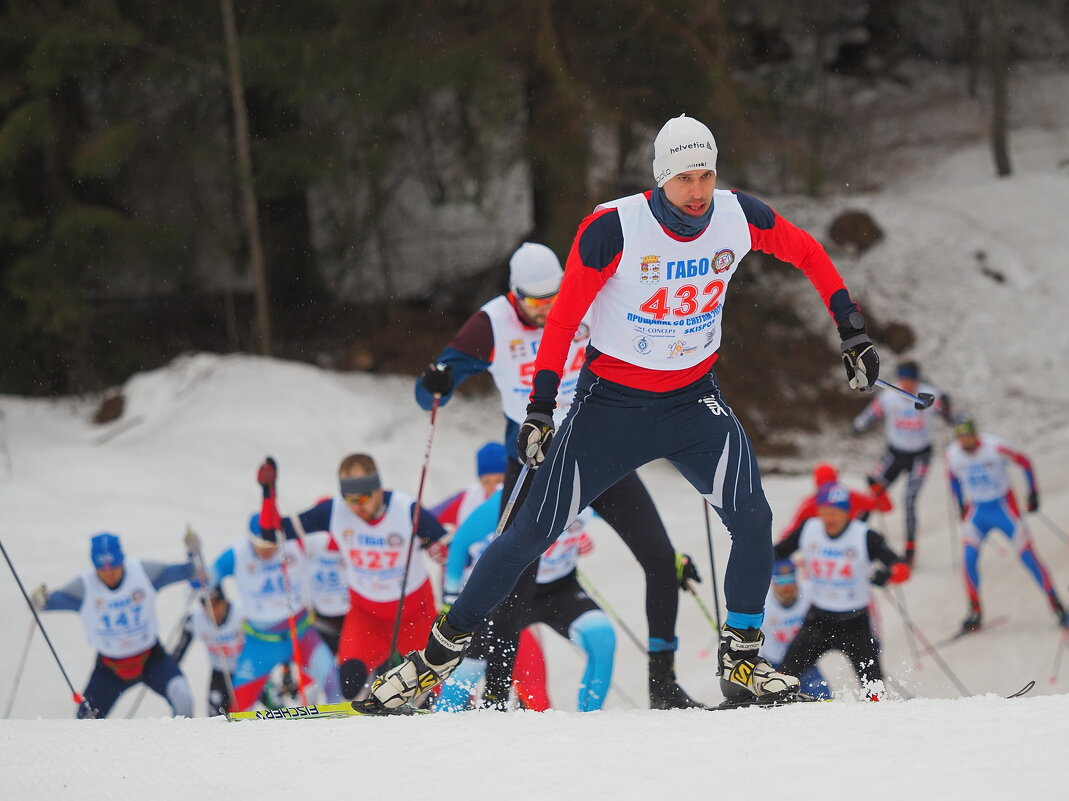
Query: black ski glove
(536, 433)
(1033, 501)
(438, 379)
(686, 571)
(860, 359)
(880, 576)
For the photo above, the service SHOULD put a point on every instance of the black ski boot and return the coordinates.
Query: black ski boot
(974, 622)
(1059, 610)
(744, 675)
(665, 693)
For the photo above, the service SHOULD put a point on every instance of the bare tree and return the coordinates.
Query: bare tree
(248, 191)
(999, 63)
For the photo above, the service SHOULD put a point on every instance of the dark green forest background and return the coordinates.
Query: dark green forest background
(124, 238)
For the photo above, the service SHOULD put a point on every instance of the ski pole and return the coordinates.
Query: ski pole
(712, 565)
(921, 400)
(882, 522)
(293, 627)
(176, 632)
(927, 645)
(269, 512)
(953, 519)
(912, 640)
(18, 670)
(701, 605)
(415, 529)
(705, 652)
(898, 687)
(1063, 640)
(517, 488)
(506, 513)
(196, 555)
(1050, 524)
(599, 599)
(77, 696)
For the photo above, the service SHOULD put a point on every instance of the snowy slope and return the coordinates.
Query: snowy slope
(207, 422)
(188, 445)
(980, 748)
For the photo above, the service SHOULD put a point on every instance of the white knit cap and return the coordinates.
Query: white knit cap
(534, 271)
(683, 144)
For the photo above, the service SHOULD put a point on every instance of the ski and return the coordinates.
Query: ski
(961, 635)
(767, 703)
(345, 709)
(1024, 690)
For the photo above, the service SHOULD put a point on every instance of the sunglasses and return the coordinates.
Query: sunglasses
(538, 304)
(358, 499)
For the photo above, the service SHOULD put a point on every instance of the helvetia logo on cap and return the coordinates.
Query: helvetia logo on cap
(679, 148)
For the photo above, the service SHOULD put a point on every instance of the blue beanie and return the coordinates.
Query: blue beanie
(832, 494)
(105, 551)
(490, 458)
(909, 370)
(784, 572)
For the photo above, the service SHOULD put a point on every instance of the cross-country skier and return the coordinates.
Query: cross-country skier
(910, 436)
(490, 464)
(980, 480)
(559, 601)
(117, 604)
(330, 587)
(785, 610)
(837, 555)
(273, 588)
(372, 528)
(491, 461)
(503, 337)
(529, 671)
(861, 505)
(652, 270)
(219, 624)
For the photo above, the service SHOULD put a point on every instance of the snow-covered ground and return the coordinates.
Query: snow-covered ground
(186, 450)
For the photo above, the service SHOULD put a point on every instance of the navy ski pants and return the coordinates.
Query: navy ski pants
(105, 686)
(628, 509)
(610, 431)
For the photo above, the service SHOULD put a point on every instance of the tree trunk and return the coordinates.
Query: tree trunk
(999, 89)
(557, 140)
(970, 20)
(248, 192)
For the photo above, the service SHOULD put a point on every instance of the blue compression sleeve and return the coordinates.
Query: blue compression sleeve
(222, 567)
(592, 631)
(478, 526)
